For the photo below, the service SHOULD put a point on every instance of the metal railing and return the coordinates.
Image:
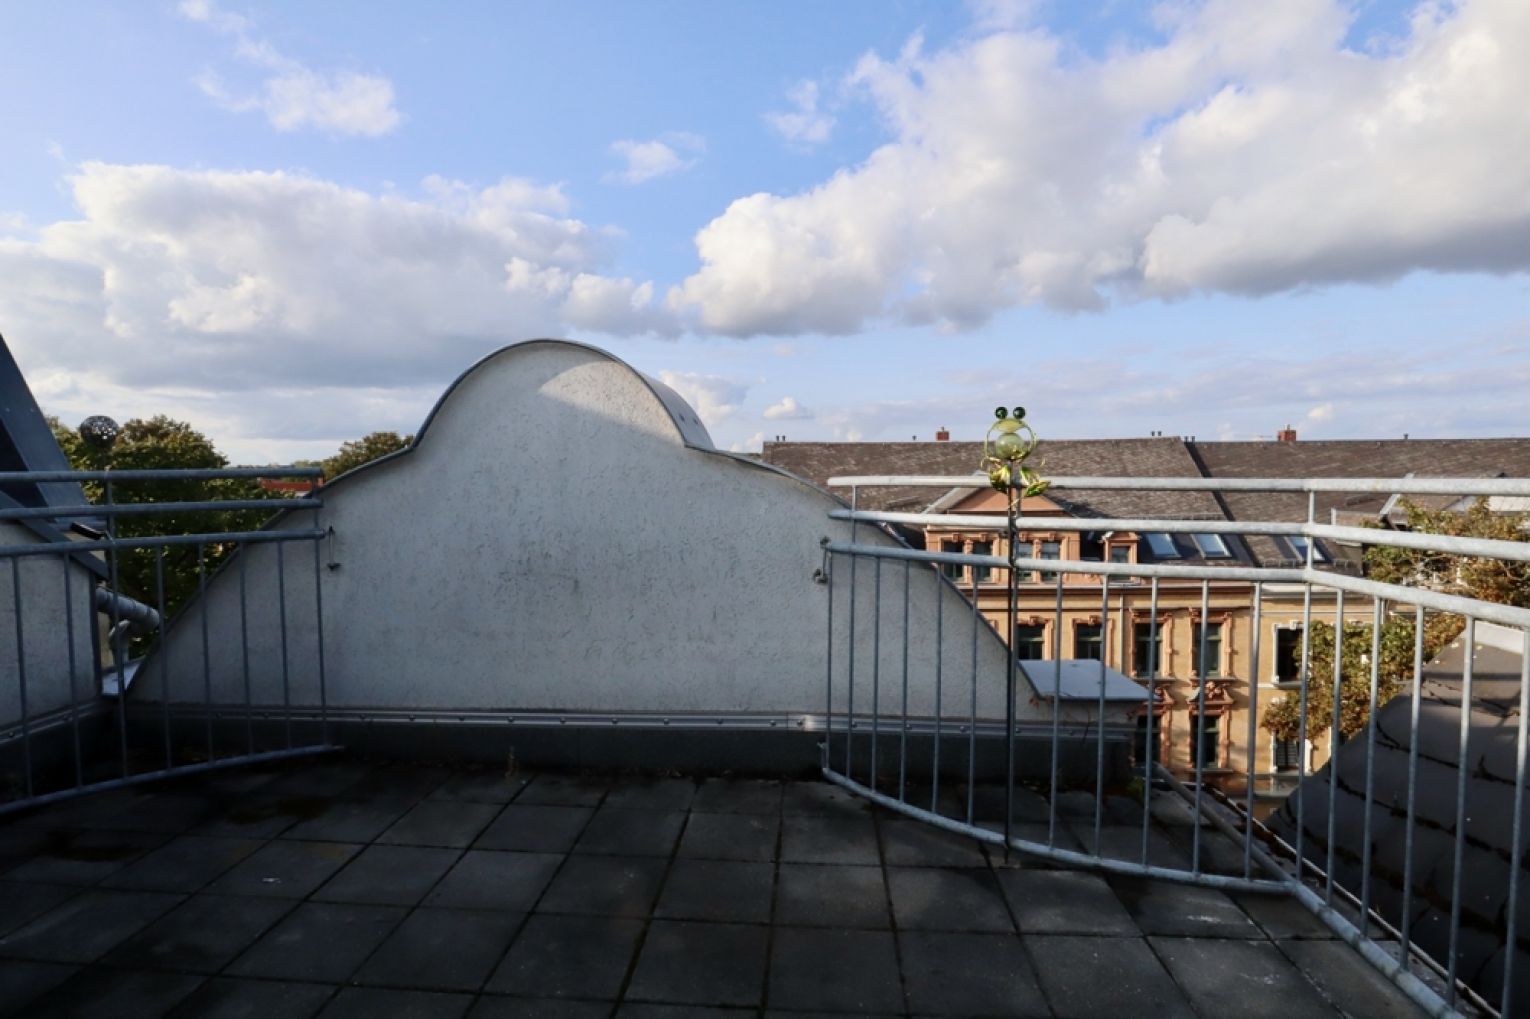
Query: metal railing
(83, 636)
(1096, 795)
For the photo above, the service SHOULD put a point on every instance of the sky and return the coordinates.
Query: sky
(292, 224)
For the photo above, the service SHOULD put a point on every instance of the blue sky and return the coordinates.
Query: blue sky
(292, 223)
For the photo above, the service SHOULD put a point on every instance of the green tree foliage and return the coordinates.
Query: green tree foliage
(1394, 672)
(364, 450)
(1490, 580)
(163, 443)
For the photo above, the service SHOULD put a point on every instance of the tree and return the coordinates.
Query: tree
(363, 451)
(1490, 580)
(161, 442)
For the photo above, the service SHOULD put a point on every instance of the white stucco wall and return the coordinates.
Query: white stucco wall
(45, 641)
(553, 543)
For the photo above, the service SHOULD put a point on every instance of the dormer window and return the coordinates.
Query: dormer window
(1299, 545)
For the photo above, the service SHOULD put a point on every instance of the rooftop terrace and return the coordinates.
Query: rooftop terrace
(338, 886)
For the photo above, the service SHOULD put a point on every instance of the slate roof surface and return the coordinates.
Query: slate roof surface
(1491, 760)
(1172, 457)
(342, 887)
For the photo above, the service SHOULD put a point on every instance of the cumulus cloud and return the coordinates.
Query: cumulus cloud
(714, 397)
(293, 96)
(804, 123)
(215, 281)
(669, 154)
(1248, 151)
(787, 410)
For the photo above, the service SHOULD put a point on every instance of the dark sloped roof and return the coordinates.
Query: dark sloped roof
(1490, 763)
(27, 443)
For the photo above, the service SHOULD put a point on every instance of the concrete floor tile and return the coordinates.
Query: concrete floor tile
(619, 832)
(22, 981)
(1244, 978)
(948, 898)
(488, 785)
(285, 870)
(1161, 908)
(667, 794)
(85, 857)
(371, 1002)
(389, 875)
(201, 935)
(1348, 980)
(97, 992)
(449, 823)
(564, 791)
(650, 1010)
(915, 844)
(498, 1007)
(319, 942)
(820, 895)
(835, 971)
(441, 949)
(347, 820)
(23, 901)
(737, 796)
(605, 886)
(817, 839)
(534, 828)
(1282, 917)
(568, 957)
(1070, 969)
(820, 799)
(717, 890)
(493, 880)
(186, 863)
(700, 964)
(969, 975)
(730, 837)
(84, 928)
(233, 998)
(1065, 902)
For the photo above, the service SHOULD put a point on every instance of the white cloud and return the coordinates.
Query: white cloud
(1247, 152)
(714, 397)
(668, 154)
(754, 444)
(805, 123)
(293, 96)
(1322, 412)
(209, 282)
(787, 410)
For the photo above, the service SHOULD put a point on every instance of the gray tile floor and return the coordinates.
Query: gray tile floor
(340, 887)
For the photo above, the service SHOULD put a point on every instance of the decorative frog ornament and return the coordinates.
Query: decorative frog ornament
(1008, 443)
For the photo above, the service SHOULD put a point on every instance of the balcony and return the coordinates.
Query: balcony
(442, 728)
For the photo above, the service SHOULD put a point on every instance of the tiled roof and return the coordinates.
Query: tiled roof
(1170, 458)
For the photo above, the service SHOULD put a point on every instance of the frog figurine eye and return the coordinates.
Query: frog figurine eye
(1019, 413)
(1000, 413)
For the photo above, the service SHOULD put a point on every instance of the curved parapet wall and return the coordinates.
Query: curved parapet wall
(562, 537)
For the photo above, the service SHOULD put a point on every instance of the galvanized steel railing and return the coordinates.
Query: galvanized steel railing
(1229, 847)
(70, 727)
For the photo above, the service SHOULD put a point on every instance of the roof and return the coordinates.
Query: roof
(27, 443)
(1171, 457)
(1491, 761)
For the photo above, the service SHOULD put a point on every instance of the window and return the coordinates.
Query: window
(1213, 661)
(1089, 641)
(1205, 740)
(1049, 550)
(1299, 545)
(1288, 756)
(953, 571)
(1147, 646)
(1212, 546)
(1142, 750)
(1090, 548)
(985, 574)
(1162, 545)
(1030, 642)
(1288, 654)
(1120, 553)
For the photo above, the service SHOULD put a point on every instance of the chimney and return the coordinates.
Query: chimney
(941, 435)
(1286, 434)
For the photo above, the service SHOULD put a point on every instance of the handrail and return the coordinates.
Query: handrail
(1386, 486)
